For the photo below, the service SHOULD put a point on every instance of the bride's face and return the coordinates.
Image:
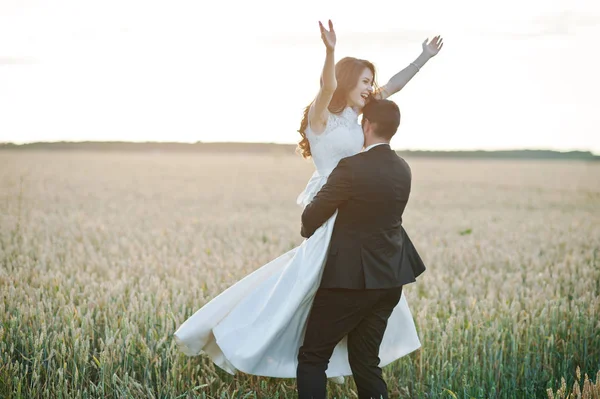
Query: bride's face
(357, 97)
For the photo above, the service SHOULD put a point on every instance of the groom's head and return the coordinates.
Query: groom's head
(380, 120)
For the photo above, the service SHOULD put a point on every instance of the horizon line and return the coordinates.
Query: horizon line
(4, 143)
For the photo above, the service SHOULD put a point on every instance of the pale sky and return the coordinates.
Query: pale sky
(512, 74)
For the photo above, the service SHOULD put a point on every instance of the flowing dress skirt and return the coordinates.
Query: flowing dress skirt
(257, 325)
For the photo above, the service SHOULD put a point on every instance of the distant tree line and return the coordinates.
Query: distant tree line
(118, 146)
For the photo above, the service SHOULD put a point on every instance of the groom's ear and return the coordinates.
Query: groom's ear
(368, 127)
(365, 124)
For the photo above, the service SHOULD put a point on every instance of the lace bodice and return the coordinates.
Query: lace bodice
(343, 137)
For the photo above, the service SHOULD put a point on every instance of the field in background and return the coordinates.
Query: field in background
(103, 256)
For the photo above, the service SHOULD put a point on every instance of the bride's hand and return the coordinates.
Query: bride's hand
(328, 36)
(434, 46)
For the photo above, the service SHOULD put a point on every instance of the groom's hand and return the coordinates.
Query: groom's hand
(303, 232)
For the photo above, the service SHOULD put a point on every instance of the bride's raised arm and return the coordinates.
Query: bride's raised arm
(399, 80)
(318, 112)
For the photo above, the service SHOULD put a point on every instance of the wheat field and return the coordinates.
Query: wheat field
(104, 255)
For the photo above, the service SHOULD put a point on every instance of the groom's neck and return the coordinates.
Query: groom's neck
(376, 140)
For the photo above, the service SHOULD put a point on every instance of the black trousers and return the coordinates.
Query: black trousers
(362, 315)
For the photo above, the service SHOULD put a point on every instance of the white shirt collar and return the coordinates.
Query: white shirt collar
(373, 145)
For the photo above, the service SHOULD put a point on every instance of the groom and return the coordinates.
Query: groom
(370, 258)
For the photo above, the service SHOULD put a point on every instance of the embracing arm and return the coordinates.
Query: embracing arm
(318, 112)
(333, 194)
(399, 80)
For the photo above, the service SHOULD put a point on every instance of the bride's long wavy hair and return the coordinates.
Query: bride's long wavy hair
(347, 73)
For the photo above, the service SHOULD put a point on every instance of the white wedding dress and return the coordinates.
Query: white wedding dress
(257, 325)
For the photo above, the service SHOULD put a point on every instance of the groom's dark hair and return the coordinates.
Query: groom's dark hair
(385, 114)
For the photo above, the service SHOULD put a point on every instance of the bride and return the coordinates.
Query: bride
(257, 325)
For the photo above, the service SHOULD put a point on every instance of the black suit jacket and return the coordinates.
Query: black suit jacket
(369, 248)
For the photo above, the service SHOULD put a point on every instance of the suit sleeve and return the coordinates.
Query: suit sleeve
(333, 194)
